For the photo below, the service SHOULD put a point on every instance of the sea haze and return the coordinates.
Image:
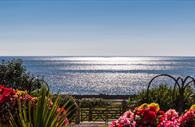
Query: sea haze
(105, 75)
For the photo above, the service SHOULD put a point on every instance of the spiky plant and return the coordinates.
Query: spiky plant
(41, 114)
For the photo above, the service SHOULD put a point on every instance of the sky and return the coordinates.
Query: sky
(97, 27)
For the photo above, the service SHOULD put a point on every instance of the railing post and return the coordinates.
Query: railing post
(106, 120)
(90, 114)
(78, 115)
(124, 106)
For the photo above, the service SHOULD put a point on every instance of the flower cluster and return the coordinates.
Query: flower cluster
(6, 94)
(126, 120)
(24, 96)
(62, 113)
(150, 115)
(188, 119)
(169, 119)
(147, 114)
(144, 115)
(8, 101)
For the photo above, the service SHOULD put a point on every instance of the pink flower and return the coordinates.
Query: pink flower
(169, 119)
(171, 114)
(126, 120)
(169, 123)
(188, 118)
(129, 115)
(66, 122)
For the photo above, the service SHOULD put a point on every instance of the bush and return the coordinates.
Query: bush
(93, 102)
(14, 74)
(163, 95)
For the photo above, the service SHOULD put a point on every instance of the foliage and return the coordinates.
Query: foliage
(43, 114)
(164, 96)
(13, 74)
(24, 110)
(71, 105)
(150, 115)
(93, 102)
(8, 101)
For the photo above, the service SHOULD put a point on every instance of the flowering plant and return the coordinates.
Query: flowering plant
(126, 120)
(150, 115)
(144, 115)
(14, 103)
(169, 119)
(192, 107)
(8, 101)
(188, 119)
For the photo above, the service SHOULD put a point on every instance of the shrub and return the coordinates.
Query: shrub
(13, 74)
(93, 102)
(164, 96)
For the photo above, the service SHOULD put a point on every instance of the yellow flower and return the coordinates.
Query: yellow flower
(20, 92)
(155, 105)
(192, 107)
(144, 105)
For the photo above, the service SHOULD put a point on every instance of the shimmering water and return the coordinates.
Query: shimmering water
(105, 75)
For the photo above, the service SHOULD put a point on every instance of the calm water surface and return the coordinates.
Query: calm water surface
(105, 75)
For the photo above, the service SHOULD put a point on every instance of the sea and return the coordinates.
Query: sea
(105, 75)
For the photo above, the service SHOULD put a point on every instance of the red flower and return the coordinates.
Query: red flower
(153, 108)
(161, 112)
(2, 99)
(149, 117)
(1, 89)
(5, 93)
(1, 86)
(8, 91)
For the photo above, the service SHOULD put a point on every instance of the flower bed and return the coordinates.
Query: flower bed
(8, 101)
(11, 100)
(150, 115)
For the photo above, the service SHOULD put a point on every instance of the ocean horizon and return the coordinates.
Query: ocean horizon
(109, 75)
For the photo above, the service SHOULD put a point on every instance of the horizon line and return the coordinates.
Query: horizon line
(95, 56)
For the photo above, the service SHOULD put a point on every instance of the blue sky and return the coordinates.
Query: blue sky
(97, 27)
